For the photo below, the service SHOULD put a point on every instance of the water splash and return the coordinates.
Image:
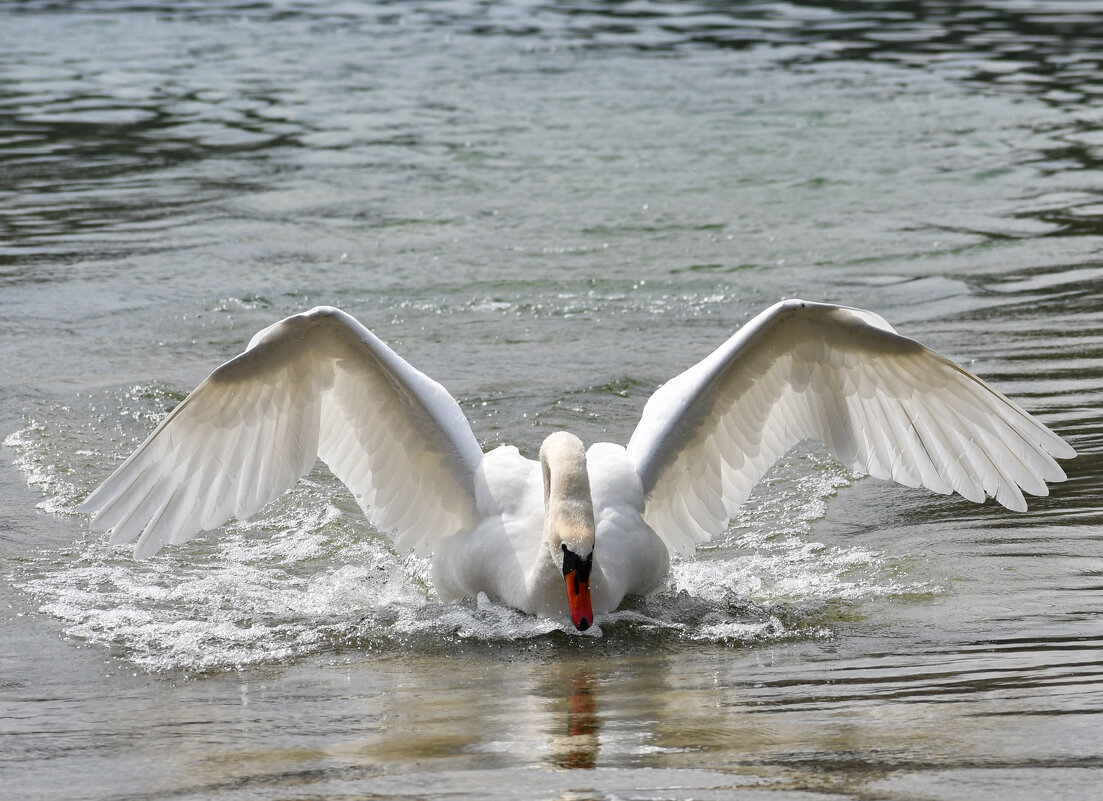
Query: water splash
(308, 576)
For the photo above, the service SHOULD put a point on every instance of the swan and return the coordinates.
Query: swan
(603, 521)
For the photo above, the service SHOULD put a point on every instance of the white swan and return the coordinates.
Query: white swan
(604, 520)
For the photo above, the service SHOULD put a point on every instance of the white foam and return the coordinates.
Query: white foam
(307, 575)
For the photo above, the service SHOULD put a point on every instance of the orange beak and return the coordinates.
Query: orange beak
(578, 596)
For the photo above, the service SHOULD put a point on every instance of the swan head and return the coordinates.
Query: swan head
(569, 520)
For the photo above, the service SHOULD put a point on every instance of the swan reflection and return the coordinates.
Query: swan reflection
(574, 743)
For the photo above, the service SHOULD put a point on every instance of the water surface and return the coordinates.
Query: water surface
(550, 208)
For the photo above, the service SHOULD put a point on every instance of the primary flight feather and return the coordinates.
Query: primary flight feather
(603, 520)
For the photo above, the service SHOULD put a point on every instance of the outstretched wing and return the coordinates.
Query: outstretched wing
(882, 403)
(317, 384)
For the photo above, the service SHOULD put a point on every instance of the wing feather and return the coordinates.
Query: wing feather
(882, 403)
(314, 385)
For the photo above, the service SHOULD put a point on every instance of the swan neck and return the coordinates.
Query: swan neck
(568, 507)
(566, 484)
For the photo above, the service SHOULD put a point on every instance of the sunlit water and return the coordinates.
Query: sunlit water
(550, 208)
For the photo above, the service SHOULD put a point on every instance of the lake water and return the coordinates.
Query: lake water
(551, 208)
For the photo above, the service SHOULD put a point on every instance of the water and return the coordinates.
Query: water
(550, 208)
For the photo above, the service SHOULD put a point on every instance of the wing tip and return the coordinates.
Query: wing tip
(1062, 450)
(144, 553)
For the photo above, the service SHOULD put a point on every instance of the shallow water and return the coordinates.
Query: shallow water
(550, 208)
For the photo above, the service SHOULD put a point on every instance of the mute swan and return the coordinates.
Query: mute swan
(604, 520)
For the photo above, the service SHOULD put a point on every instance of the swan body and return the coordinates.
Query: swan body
(508, 555)
(604, 521)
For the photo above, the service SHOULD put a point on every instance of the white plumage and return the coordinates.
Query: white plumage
(320, 385)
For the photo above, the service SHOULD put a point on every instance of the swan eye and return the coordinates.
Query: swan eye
(574, 562)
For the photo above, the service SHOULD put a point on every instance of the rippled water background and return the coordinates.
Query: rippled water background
(551, 208)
